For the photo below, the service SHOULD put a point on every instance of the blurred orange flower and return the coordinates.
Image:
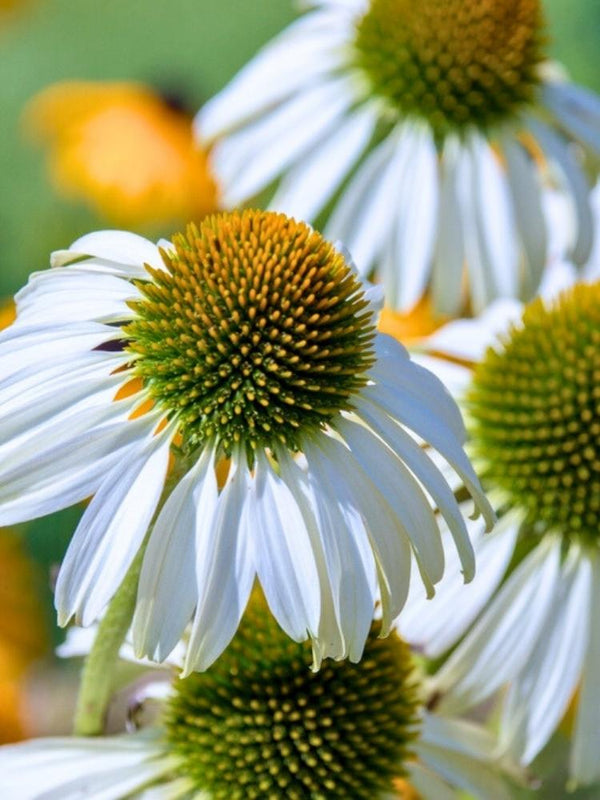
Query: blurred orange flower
(409, 327)
(23, 636)
(124, 150)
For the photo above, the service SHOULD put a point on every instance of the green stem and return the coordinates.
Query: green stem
(99, 668)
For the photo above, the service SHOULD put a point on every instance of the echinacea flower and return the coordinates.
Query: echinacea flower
(422, 132)
(530, 623)
(260, 724)
(124, 150)
(229, 391)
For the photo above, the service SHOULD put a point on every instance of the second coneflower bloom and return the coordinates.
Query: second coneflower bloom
(423, 133)
(229, 391)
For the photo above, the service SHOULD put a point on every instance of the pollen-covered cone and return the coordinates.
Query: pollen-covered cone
(530, 622)
(124, 150)
(228, 390)
(419, 133)
(260, 724)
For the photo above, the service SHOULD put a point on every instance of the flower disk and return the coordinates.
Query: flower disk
(260, 724)
(256, 333)
(452, 62)
(535, 408)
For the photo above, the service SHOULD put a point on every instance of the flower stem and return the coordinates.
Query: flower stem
(99, 668)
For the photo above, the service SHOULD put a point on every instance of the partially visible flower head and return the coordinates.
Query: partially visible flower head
(260, 724)
(451, 62)
(528, 629)
(534, 404)
(424, 135)
(123, 150)
(230, 391)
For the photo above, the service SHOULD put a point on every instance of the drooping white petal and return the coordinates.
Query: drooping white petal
(285, 561)
(225, 570)
(433, 626)
(349, 556)
(73, 294)
(306, 50)
(329, 643)
(68, 464)
(364, 215)
(425, 471)
(110, 533)
(526, 194)
(251, 158)
(387, 537)
(407, 264)
(488, 226)
(539, 695)
(449, 256)
(462, 753)
(574, 185)
(427, 783)
(577, 109)
(167, 591)
(72, 768)
(585, 766)
(501, 641)
(310, 183)
(121, 247)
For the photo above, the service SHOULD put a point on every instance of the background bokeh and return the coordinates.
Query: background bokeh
(189, 49)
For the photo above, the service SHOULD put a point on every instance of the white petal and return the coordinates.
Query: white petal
(539, 696)
(496, 648)
(363, 217)
(428, 784)
(572, 182)
(577, 109)
(433, 626)
(585, 766)
(329, 643)
(306, 50)
(449, 257)
(225, 570)
(167, 592)
(110, 533)
(309, 184)
(350, 561)
(251, 158)
(408, 261)
(120, 247)
(73, 294)
(285, 561)
(526, 193)
(406, 499)
(387, 538)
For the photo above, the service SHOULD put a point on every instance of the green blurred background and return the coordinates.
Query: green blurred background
(189, 46)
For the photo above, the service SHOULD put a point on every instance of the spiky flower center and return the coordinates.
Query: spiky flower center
(535, 415)
(256, 331)
(452, 62)
(260, 724)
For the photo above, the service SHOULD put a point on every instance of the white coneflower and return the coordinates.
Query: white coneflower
(531, 620)
(260, 724)
(425, 130)
(245, 352)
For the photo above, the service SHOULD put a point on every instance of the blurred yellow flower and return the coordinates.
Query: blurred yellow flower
(411, 326)
(124, 150)
(23, 637)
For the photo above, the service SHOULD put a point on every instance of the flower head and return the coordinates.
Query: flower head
(260, 724)
(124, 150)
(424, 135)
(229, 391)
(531, 619)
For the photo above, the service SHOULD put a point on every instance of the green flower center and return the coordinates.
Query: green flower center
(453, 63)
(256, 332)
(535, 415)
(260, 724)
